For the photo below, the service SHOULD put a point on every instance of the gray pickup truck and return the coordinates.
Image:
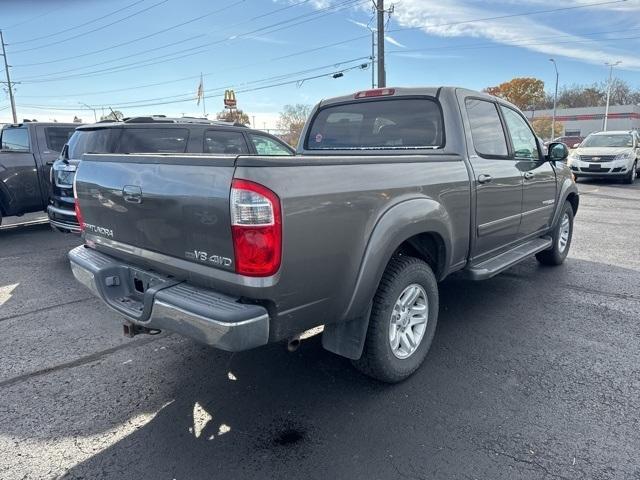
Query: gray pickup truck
(391, 191)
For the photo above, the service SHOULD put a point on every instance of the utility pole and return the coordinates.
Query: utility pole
(382, 74)
(373, 58)
(606, 110)
(95, 116)
(555, 101)
(9, 84)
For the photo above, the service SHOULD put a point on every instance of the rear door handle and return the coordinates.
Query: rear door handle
(132, 194)
(484, 178)
(529, 175)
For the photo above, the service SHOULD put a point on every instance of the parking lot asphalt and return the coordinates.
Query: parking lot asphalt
(534, 374)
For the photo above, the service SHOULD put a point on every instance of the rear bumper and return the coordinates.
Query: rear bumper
(201, 314)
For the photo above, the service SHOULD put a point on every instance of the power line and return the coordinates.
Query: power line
(511, 15)
(31, 19)
(158, 32)
(298, 81)
(189, 95)
(161, 47)
(175, 55)
(191, 77)
(94, 30)
(35, 39)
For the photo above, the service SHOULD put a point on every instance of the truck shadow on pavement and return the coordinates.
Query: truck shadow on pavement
(498, 383)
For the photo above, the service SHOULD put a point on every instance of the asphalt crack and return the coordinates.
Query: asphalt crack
(45, 309)
(94, 357)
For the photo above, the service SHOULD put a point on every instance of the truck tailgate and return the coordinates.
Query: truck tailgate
(174, 205)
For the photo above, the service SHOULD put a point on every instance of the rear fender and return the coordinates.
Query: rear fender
(398, 224)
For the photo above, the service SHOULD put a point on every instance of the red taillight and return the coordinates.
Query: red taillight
(256, 224)
(378, 92)
(77, 207)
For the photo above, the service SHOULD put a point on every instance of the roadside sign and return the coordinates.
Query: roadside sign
(230, 99)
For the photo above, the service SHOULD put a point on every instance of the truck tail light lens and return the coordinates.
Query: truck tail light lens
(77, 207)
(256, 225)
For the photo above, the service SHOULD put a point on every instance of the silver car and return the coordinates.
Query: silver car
(613, 154)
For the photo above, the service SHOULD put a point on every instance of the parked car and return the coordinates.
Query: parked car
(612, 154)
(156, 134)
(27, 151)
(571, 142)
(391, 191)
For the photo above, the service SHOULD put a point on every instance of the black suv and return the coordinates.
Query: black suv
(155, 134)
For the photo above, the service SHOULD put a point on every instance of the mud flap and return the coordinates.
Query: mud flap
(347, 338)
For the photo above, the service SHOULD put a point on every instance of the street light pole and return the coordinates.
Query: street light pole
(95, 117)
(555, 100)
(606, 110)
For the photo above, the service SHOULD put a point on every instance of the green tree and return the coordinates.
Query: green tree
(233, 115)
(542, 127)
(291, 122)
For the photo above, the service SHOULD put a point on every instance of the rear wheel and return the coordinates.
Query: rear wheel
(403, 321)
(562, 235)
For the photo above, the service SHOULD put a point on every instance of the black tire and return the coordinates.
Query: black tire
(378, 360)
(556, 255)
(631, 176)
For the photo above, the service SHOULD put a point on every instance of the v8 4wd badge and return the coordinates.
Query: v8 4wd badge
(204, 257)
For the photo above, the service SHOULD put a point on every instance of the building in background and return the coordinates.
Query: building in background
(580, 122)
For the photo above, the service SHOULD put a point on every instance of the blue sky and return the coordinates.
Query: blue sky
(67, 52)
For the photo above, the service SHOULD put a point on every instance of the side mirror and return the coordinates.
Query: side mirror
(576, 145)
(558, 152)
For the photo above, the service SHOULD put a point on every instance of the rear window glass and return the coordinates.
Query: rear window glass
(56, 137)
(15, 139)
(128, 140)
(153, 140)
(90, 141)
(218, 141)
(383, 124)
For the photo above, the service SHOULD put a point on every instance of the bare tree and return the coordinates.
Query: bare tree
(233, 115)
(291, 122)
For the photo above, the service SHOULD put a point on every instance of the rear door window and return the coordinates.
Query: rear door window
(403, 123)
(225, 142)
(268, 146)
(56, 137)
(153, 140)
(15, 139)
(486, 128)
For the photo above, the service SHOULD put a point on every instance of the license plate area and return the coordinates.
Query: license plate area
(131, 291)
(595, 166)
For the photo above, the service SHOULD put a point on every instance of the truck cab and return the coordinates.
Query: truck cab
(27, 152)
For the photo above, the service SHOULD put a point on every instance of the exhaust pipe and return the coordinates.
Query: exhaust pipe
(294, 342)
